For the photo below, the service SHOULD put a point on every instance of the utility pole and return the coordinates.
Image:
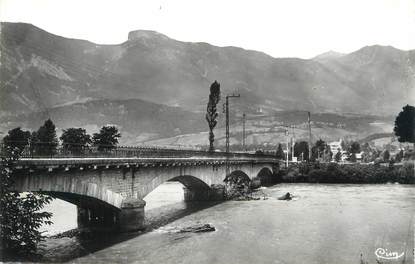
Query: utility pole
(309, 136)
(227, 130)
(243, 132)
(292, 143)
(286, 158)
(227, 119)
(290, 140)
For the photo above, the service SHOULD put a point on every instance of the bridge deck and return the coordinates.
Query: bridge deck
(139, 160)
(29, 157)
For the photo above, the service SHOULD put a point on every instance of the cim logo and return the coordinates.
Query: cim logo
(383, 253)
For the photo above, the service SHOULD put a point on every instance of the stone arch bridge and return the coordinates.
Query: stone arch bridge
(109, 191)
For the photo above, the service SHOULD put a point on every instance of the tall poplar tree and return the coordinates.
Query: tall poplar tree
(211, 111)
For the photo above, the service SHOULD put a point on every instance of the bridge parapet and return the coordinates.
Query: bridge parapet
(129, 152)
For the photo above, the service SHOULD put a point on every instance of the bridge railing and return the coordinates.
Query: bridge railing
(47, 150)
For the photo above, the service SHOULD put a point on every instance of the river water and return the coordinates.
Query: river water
(336, 223)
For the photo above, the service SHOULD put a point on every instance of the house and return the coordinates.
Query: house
(335, 146)
(359, 156)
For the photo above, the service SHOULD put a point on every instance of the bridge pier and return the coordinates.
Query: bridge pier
(216, 192)
(129, 218)
(132, 216)
(96, 218)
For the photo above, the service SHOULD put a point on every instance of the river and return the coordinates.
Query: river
(335, 223)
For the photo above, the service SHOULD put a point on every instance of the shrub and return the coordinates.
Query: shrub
(20, 215)
(350, 173)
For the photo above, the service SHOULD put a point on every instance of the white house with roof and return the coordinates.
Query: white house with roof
(335, 146)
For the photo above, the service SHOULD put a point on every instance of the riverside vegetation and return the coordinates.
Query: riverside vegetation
(348, 173)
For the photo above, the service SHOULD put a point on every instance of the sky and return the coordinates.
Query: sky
(280, 28)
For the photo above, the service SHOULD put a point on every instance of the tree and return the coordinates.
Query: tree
(321, 145)
(366, 147)
(32, 142)
(46, 140)
(318, 149)
(16, 140)
(75, 140)
(211, 111)
(338, 156)
(375, 155)
(352, 157)
(280, 153)
(386, 155)
(355, 147)
(327, 154)
(107, 138)
(20, 215)
(343, 144)
(405, 125)
(301, 150)
(399, 156)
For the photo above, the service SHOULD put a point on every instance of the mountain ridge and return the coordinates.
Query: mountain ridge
(158, 69)
(41, 71)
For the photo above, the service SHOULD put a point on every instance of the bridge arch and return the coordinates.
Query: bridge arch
(195, 188)
(191, 182)
(265, 176)
(238, 176)
(72, 190)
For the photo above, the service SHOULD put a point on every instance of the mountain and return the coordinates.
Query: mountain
(382, 75)
(155, 87)
(41, 70)
(329, 55)
(138, 120)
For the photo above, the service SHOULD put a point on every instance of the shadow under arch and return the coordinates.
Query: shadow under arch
(196, 194)
(92, 212)
(81, 200)
(265, 176)
(191, 182)
(237, 177)
(194, 188)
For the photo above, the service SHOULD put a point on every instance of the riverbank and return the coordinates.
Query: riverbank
(354, 173)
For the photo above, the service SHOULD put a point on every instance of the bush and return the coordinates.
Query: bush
(406, 173)
(20, 217)
(350, 173)
(318, 176)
